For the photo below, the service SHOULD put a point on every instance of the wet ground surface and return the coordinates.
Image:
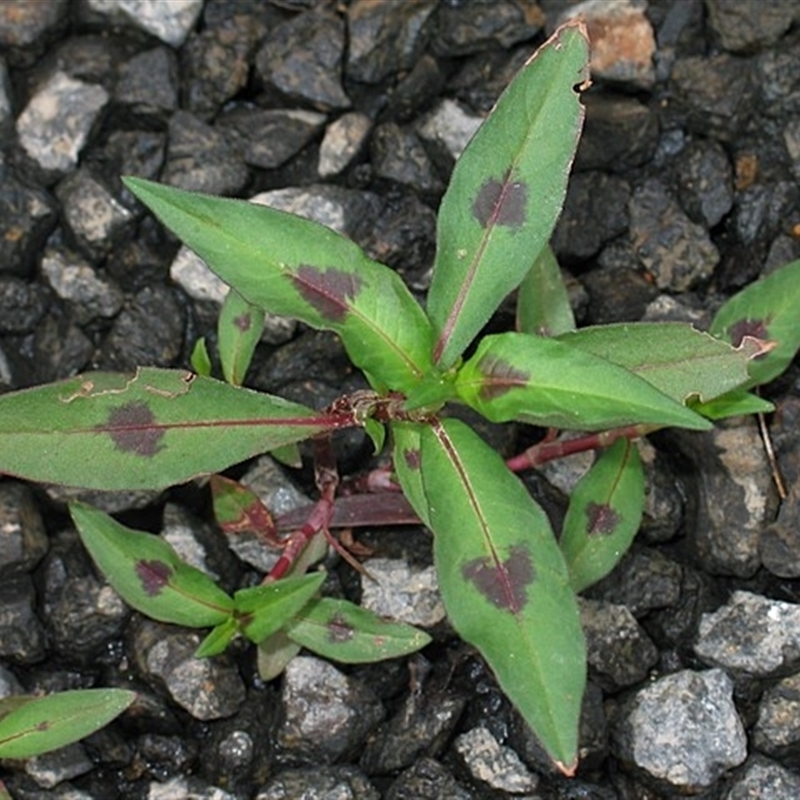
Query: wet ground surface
(685, 189)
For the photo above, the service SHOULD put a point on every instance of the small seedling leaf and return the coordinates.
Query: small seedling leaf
(767, 310)
(200, 359)
(32, 725)
(604, 514)
(342, 631)
(543, 306)
(148, 574)
(504, 582)
(297, 268)
(238, 509)
(239, 328)
(677, 359)
(517, 376)
(735, 403)
(288, 455)
(219, 638)
(262, 610)
(506, 191)
(153, 429)
(274, 654)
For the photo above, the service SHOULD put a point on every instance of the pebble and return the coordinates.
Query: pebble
(343, 140)
(55, 125)
(326, 714)
(490, 763)
(751, 636)
(777, 731)
(761, 779)
(683, 730)
(170, 22)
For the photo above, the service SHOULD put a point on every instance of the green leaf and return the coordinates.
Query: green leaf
(262, 610)
(504, 582)
(147, 431)
(288, 455)
(735, 403)
(345, 632)
(200, 359)
(677, 359)
(148, 574)
(604, 514)
(298, 268)
(274, 654)
(406, 460)
(219, 638)
(239, 328)
(507, 191)
(238, 509)
(543, 306)
(376, 432)
(32, 725)
(767, 310)
(516, 376)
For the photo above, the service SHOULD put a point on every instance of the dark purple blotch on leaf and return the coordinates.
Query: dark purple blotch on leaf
(412, 458)
(329, 290)
(154, 575)
(500, 377)
(601, 519)
(339, 629)
(504, 585)
(757, 328)
(132, 429)
(501, 203)
(243, 322)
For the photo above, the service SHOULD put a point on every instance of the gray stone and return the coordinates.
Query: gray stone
(762, 779)
(623, 43)
(93, 216)
(777, 731)
(269, 137)
(743, 26)
(683, 730)
(402, 592)
(148, 331)
(23, 639)
(25, 540)
(465, 28)
(148, 84)
(751, 636)
(55, 125)
(619, 652)
(22, 305)
(319, 782)
(170, 22)
(427, 779)
(675, 250)
(302, 57)
(6, 110)
(48, 770)
(25, 25)
(398, 155)
(343, 140)
(208, 688)
(385, 38)
(181, 788)
(74, 280)
(82, 611)
(326, 714)
(705, 182)
(449, 126)
(493, 764)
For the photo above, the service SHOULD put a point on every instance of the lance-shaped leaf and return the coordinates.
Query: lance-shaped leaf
(239, 328)
(677, 359)
(262, 610)
(345, 632)
(604, 514)
(766, 310)
(516, 376)
(504, 582)
(218, 639)
(146, 431)
(148, 574)
(506, 191)
(406, 460)
(32, 725)
(735, 403)
(543, 305)
(274, 654)
(298, 268)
